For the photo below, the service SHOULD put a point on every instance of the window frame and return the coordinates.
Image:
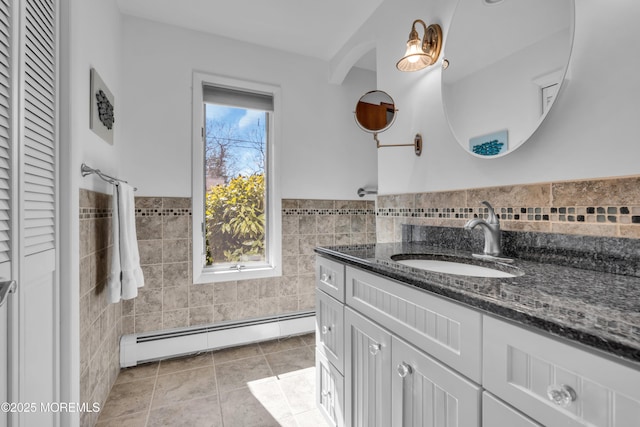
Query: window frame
(273, 265)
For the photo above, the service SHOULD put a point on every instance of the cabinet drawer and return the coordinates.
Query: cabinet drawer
(427, 393)
(447, 331)
(330, 329)
(522, 367)
(497, 413)
(329, 391)
(330, 277)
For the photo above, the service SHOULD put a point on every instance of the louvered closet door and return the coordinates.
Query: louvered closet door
(5, 195)
(38, 333)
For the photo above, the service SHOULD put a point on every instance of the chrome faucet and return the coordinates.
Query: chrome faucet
(491, 228)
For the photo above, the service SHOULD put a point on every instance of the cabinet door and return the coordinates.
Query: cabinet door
(425, 393)
(367, 372)
(329, 391)
(330, 329)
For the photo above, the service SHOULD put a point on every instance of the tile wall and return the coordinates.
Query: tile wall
(169, 299)
(100, 322)
(597, 207)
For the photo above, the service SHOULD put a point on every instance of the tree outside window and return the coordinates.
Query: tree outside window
(235, 196)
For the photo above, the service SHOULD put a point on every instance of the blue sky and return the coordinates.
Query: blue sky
(241, 118)
(242, 122)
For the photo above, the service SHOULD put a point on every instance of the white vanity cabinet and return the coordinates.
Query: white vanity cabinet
(367, 373)
(446, 331)
(329, 391)
(330, 329)
(425, 393)
(379, 318)
(395, 355)
(557, 384)
(330, 340)
(391, 383)
(330, 278)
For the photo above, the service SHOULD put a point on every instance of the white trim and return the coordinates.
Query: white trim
(57, 293)
(137, 348)
(69, 228)
(273, 267)
(13, 303)
(550, 78)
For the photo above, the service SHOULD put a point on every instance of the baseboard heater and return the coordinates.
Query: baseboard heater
(146, 347)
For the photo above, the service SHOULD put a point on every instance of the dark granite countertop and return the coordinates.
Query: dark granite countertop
(596, 309)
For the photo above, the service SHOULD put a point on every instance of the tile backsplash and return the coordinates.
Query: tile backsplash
(597, 207)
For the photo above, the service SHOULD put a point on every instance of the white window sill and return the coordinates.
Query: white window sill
(210, 275)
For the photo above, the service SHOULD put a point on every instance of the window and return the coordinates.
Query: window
(236, 206)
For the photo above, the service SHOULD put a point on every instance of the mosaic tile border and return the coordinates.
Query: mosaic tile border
(95, 213)
(303, 212)
(581, 214)
(163, 212)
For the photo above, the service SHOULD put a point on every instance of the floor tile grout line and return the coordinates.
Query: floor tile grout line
(184, 370)
(279, 382)
(238, 359)
(215, 376)
(182, 402)
(269, 366)
(153, 393)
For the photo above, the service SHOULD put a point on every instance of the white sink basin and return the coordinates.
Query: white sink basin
(458, 268)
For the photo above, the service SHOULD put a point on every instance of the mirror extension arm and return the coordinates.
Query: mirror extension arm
(417, 143)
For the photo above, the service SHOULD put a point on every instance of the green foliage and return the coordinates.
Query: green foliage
(235, 220)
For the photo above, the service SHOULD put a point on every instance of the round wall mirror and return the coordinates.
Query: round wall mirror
(375, 111)
(506, 61)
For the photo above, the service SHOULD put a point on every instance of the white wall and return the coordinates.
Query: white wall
(96, 42)
(324, 154)
(591, 131)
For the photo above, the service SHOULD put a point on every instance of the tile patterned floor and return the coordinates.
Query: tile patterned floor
(258, 385)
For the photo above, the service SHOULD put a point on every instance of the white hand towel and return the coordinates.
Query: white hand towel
(126, 275)
(114, 285)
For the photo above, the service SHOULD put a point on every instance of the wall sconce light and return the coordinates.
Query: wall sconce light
(421, 54)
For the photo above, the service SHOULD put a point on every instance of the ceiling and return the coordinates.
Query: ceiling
(307, 27)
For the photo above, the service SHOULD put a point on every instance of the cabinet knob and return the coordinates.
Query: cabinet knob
(326, 329)
(374, 348)
(562, 395)
(326, 394)
(403, 370)
(325, 277)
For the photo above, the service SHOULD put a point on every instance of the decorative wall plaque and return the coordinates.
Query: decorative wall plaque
(101, 112)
